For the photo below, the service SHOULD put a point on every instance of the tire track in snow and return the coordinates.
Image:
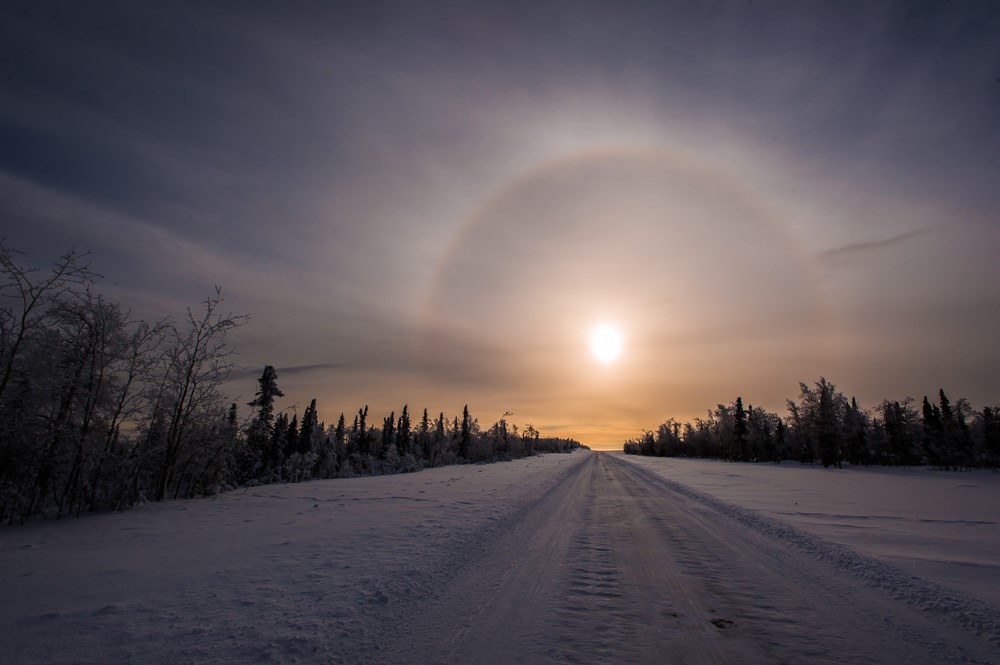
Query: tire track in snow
(590, 585)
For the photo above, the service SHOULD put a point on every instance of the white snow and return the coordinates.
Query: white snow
(557, 558)
(271, 574)
(942, 526)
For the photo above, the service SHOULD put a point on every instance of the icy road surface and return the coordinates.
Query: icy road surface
(582, 558)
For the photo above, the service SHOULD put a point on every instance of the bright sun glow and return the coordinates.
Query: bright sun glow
(606, 343)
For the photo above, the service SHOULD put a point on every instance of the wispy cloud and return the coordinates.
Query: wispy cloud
(838, 254)
(304, 369)
(247, 372)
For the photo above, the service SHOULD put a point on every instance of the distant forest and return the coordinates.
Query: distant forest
(101, 411)
(824, 427)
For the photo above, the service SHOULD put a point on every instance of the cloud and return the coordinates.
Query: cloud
(247, 372)
(839, 254)
(317, 163)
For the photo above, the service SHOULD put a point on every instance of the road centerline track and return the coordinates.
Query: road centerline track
(614, 566)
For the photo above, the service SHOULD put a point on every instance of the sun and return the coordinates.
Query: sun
(606, 343)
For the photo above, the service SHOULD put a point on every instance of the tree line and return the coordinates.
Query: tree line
(274, 448)
(100, 410)
(823, 426)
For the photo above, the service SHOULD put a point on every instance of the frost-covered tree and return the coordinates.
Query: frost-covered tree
(267, 391)
(818, 418)
(761, 426)
(31, 299)
(530, 436)
(197, 363)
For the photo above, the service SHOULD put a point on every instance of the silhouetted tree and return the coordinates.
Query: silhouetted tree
(740, 431)
(308, 428)
(898, 422)
(197, 363)
(403, 434)
(760, 434)
(818, 418)
(424, 437)
(261, 431)
(273, 456)
(856, 427)
(291, 444)
(440, 440)
(989, 434)
(361, 431)
(779, 441)
(388, 435)
(465, 436)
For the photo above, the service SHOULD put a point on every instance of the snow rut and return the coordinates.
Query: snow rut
(590, 586)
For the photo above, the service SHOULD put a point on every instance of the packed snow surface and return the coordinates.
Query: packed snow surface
(939, 525)
(576, 558)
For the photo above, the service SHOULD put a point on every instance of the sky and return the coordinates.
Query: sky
(435, 203)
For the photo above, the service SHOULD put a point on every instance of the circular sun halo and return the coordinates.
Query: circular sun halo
(605, 343)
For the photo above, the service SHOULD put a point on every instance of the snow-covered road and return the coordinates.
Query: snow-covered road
(615, 566)
(582, 558)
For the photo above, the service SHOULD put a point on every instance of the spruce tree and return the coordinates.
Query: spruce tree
(307, 428)
(388, 435)
(951, 444)
(779, 441)
(989, 423)
(274, 455)
(424, 436)
(291, 437)
(933, 432)
(261, 430)
(362, 432)
(403, 432)
(740, 430)
(352, 440)
(931, 415)
(264, 401)
(946, 412)
(340, 442)
(856, 428)
(465, 438)
(440, 437)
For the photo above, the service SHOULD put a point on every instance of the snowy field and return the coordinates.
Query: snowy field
(581, 558)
